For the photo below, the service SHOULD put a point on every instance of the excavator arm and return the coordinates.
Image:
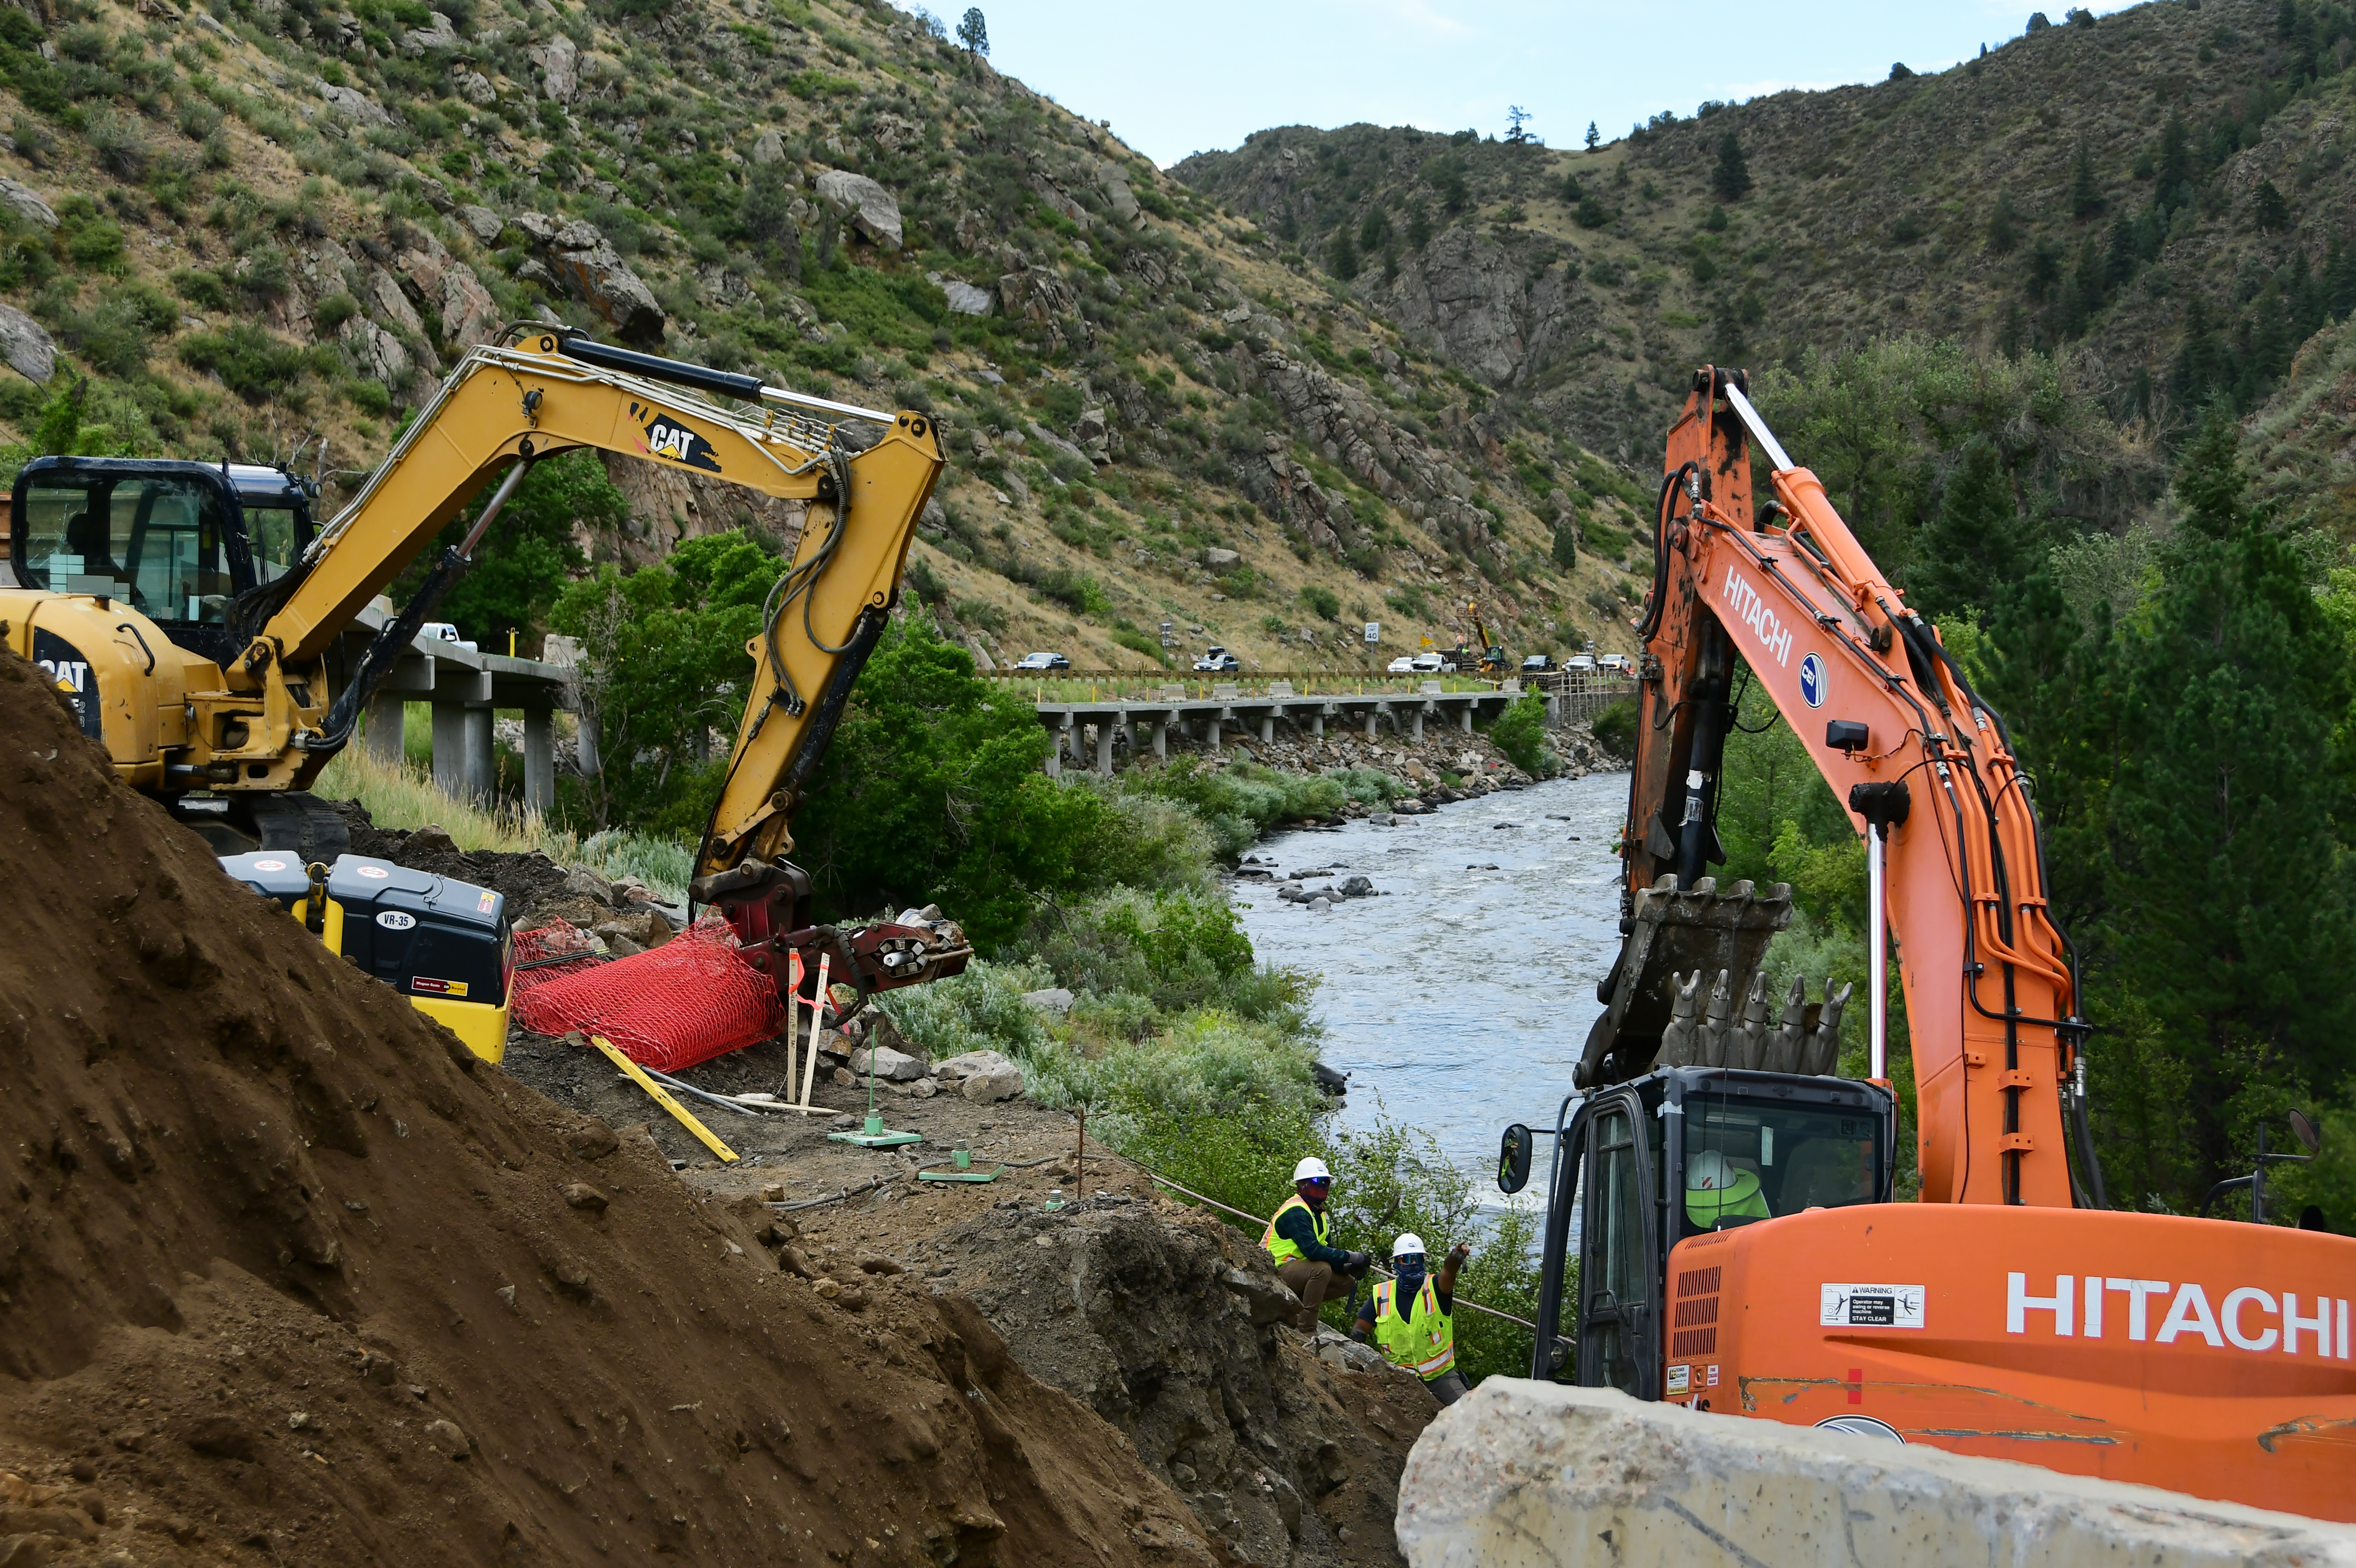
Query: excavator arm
(507, 407)
(1783, 589)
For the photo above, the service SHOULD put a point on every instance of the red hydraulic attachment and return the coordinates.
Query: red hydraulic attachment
(767, 905)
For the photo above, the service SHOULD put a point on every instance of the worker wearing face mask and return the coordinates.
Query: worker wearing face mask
(1412, 1318)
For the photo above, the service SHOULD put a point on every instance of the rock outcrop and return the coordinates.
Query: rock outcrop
(869, 206)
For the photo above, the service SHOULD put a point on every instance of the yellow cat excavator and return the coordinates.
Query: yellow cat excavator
(194, 615)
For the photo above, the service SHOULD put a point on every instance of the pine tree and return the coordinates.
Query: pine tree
(2120, 261)
(1342, 256)
(2003, 230)
(2175, 169)
(1730, 180)
(2085, 190)
(973, 32)
(1594, 139)
(2203, 365)
(2233, 929)
(1566, 544)
(2269, 213)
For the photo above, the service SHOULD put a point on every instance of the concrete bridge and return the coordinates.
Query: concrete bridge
(1231, 710)
(463, 686)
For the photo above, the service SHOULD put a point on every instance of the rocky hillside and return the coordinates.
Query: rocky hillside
(265, 228)
(2163, 191)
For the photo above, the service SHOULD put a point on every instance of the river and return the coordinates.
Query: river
(1458, 1002)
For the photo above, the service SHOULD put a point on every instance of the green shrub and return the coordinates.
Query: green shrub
(1615, 727)
(1325, 602)
(248, 360)
(1520, 733)
(1075, 591)
(1137, 641)
(1179, 951)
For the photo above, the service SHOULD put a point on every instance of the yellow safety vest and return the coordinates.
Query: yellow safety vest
(1282, 1248)
(1425, 1347)
(1743, 1201)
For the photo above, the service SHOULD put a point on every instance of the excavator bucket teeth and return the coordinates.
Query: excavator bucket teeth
(1698, 947)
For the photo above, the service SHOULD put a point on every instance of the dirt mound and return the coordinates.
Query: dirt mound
(525, 881)
(1164, 1321)
(285, 1271)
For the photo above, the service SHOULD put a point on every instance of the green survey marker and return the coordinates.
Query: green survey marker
(876, 1135)
(963, 1160)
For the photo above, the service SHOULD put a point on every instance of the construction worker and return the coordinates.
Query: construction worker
(1413, 1317)
(1299, 1238)
(1717, 1189)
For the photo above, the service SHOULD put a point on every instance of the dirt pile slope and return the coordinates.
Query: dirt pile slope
(1164, 1322)
(286, 1277)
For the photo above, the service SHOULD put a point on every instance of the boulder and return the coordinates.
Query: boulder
(957, 1068)
(385, 301)
(1520, 1472)
(581, 882)
(474, 88)
(469, 314)
(1055, 999)
(871, 208)
(989, 1088)
(1217, 559)
(26, 347)
(1113, 181)
(28, 202)
(355, 105)
(965, 299)
(376, 353)
(1357, 888)
(538, 227)
(481, 222)
(882, 1062)
(769, 147)
(1269, 1299)
(559, 60)
(437, 37)
(600, 279)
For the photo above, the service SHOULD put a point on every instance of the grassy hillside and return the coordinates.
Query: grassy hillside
(264, 229)
(2162, 192)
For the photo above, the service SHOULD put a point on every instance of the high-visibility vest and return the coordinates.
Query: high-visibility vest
(1282, 1248)
(1425, 1347)
(1708, 1206)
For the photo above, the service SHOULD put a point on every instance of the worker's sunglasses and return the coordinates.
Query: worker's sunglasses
(1407, 1260)
(1317, 1181)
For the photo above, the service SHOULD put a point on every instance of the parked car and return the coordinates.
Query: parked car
(1431, 663)
(1613, 661)
(1403, 665)
(444, 631)
(1580, 662)
(1218, 661)
(1043, 661)
(1537, 664)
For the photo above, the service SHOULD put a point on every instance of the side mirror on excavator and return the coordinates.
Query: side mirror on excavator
(1513, 1158)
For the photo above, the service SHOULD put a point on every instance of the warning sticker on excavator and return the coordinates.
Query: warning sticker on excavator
(437, 988)
(1871, 1306)
(1680, 1379)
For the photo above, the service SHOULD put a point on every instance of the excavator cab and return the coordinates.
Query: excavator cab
(1678, 1154)
(182, 543)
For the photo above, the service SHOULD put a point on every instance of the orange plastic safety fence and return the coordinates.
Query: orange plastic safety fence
(691, 999)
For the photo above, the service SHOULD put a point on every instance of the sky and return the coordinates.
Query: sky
(1202, 76)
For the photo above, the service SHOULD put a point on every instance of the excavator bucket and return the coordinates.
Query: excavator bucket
(1691, 959)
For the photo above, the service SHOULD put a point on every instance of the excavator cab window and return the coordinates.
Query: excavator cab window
(159, 541)
(1750, 1159)
(1617, 1277)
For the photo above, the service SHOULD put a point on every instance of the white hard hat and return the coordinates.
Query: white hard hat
(1409, 1243)
(1309, 1168)
(1710, 1172)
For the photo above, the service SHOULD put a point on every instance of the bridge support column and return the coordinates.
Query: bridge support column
(387, 713)
(1317, 724)
(1162, 738)
(1105, 728)
(538, 759)
(1268, 730)
(1373, 716)
(1418, 723)
(1464, 719)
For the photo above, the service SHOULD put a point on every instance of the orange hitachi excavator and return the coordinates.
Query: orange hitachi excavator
(1738, 1249)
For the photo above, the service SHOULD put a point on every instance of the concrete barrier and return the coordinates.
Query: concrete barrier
(1522, 1475)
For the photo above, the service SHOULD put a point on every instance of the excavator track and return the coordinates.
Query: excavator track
(295, 821)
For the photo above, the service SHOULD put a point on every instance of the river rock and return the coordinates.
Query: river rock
(885, 1063)
(1357, 888)
(1320, 905)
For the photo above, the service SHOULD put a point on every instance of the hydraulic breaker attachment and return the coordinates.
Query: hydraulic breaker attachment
(767, 905)
(1718, 938)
